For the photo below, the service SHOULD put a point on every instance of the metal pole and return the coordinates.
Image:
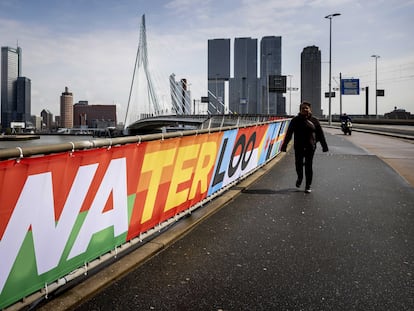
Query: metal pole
(376, 86)
(340, 93)
(290, 94)
(216, 95)
(330, 16)
(330, 65)
(267, 82)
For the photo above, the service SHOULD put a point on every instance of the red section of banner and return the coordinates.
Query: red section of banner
(258, 131)
(13, 175)
(174, 175)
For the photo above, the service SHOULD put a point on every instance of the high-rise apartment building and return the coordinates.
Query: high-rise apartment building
(66, 109)
(270, 64)
(243, 86)
(310, 78)
(218, 73)
(11, 69)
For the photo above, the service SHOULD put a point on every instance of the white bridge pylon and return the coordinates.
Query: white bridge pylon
(141, 62)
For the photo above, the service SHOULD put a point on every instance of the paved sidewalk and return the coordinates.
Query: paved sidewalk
(398, 153)
(346, 246)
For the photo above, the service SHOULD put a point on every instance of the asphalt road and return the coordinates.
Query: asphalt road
(346, 246)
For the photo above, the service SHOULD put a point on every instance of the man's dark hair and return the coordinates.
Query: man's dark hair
(307, 104)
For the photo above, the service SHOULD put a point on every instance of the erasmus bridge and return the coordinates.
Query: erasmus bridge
(147, 115)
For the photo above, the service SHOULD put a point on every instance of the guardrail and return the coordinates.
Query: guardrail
(397, 132)
(373, 120)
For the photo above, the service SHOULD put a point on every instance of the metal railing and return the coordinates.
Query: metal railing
(22, 152)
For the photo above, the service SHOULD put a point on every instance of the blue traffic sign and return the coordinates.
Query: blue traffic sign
(350, 86)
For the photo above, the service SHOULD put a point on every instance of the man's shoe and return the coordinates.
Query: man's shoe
(308, 189)
(298, 183)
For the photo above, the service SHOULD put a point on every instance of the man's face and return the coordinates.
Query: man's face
(305, 110)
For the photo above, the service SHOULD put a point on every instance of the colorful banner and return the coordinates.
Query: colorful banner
(58, 212)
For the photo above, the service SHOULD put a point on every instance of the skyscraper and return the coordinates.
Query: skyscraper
(180, 96)
(248, 93)
(47, 119)
(310, 78)
(218, 73)
(270, 64)
(23, 100)
(66, 109)
(11, 69)
(243, 87)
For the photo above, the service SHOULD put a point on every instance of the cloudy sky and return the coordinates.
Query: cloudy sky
(90, 45)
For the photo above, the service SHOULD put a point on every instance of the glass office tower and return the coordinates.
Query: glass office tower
(243, 86)
(218, 74)
(11, 68)
(270, 64)
(23, 100)
(310, 78)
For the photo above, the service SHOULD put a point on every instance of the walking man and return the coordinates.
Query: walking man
(307, 131)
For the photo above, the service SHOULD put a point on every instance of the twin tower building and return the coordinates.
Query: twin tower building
(15, 89)
(250, 93)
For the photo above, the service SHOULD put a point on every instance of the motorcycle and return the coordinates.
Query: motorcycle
(346, 127)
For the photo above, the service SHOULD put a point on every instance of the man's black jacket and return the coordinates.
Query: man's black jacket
(307, 131)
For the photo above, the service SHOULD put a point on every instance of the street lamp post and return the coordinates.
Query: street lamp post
(290, 94)
(376, 85)
(267, 81)
(267, 88)
(216, 94)
(330, 16)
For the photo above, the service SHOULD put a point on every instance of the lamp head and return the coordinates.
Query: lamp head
(332, 15)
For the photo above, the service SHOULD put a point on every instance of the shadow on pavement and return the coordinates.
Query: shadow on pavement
(271, 191)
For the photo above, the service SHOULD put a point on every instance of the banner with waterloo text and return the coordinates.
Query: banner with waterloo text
(60, 211)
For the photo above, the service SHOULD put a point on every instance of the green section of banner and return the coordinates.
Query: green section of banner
(131, 201)
(21, 279)
(24, 279)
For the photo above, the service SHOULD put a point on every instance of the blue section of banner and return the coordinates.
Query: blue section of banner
(223, 160)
